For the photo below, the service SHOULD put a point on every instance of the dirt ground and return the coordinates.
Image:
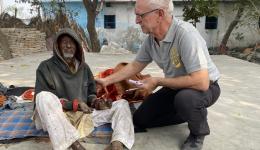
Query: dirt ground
(234, 119)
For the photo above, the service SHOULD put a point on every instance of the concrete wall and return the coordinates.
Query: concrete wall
(124, 13)
(24, 10)
(24, 41)
(125, 18)
(213, 37)
(250, 32)
(1, 6)
(125, 21)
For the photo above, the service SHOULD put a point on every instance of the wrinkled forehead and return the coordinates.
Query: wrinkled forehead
(65, 38)
(142, 6)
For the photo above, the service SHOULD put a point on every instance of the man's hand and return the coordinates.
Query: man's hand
(149, 84)
(84, 107)
(101, 85)
(102, 81)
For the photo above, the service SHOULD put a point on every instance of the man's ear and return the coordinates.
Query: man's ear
(161, 13)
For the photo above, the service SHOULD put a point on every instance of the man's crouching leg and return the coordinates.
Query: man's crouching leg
(50, 117)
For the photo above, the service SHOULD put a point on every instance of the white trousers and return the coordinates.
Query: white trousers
(121, 121)
(50, 117)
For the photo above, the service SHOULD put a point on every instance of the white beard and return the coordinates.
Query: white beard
(68, 55)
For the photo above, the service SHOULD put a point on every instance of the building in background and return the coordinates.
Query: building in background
(24, 10)
(115, 17)
(1, 6)
(116, 22)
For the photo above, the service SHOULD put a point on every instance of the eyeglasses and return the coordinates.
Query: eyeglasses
(144, 14)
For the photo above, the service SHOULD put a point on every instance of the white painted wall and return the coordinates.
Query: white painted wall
(213, 37)
(23, 9)
(124, 14)
(125, 17)
(251, 33)
(1, 6)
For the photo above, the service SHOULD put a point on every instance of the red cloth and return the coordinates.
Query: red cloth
(118, 90)
(112, 91)
(28, 94)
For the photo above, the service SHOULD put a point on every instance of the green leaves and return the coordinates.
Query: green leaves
(194, 9)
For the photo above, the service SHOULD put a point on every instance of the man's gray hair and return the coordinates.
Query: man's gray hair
(164, 4)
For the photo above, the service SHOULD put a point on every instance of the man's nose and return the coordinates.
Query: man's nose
(68, 45)
(137, 20)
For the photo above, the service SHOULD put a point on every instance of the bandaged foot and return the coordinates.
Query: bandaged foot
(115, 145)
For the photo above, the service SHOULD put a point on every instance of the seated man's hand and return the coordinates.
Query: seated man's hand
(84, 107)
(101, 104)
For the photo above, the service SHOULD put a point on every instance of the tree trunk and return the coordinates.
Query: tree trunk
(223, 46)
(95, 45)
(91, 12)
(5, 50)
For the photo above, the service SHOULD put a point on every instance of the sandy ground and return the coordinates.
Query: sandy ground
(234, 119)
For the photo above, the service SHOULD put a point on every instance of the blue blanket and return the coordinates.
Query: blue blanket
(18, 124)
(100, 135)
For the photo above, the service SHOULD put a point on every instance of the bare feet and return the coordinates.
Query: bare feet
(101, 104)
(116, 145)
(77, 146)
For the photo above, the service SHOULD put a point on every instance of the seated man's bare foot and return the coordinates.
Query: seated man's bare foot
(101, 104)
(77, 146)
(116, 145)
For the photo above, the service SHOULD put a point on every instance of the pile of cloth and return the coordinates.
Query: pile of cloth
(16, 109)
(124, 89)
(16, 98)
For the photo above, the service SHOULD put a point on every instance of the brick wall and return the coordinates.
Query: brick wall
(24, 41)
